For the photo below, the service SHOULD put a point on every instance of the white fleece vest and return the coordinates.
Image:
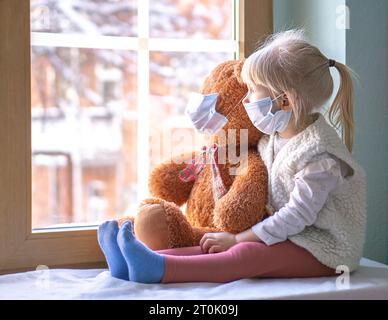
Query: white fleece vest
(337, 236)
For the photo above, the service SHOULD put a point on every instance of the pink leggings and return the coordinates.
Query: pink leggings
(244, 260)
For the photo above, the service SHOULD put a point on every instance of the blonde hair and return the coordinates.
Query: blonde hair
(286, 62)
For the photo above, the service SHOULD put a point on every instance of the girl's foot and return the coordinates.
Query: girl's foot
(107, 238)
(144, 265)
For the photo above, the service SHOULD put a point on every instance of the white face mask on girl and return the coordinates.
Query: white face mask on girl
(262, 117)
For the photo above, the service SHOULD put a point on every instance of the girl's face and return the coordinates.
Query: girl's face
(256, 93)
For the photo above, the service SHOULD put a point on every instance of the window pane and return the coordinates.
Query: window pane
(200, 19)
(90, 153)
(96, 17)
(84, 124)
(173, 75)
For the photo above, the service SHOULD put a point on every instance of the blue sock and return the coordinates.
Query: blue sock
(144, 265)
(107, 238)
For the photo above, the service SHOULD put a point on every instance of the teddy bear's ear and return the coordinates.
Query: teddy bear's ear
(237, 69)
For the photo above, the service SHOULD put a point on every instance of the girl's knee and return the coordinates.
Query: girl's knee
(248, 246)
(249, 252)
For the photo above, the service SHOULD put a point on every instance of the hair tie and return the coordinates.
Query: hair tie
(331, 62)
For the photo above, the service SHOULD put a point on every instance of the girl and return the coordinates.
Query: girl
(316, 189)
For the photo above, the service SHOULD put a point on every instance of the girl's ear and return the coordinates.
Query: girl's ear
(286, 101)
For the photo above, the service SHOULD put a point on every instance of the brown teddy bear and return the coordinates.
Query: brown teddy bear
(160, 223)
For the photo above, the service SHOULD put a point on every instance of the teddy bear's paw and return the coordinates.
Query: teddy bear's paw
(150, 201)
(156, 201)
(151, 226)
(124, 219)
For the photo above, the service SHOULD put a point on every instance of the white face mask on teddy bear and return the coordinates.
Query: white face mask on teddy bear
(201, 110)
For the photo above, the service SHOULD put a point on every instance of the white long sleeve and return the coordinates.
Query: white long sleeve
(312, 187)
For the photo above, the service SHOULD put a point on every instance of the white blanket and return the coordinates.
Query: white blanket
(370, 281)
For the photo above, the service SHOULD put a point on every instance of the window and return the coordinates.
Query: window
(104, 75)
(76, 126)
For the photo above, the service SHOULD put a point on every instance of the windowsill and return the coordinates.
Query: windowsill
(66, 227)
(61, 227)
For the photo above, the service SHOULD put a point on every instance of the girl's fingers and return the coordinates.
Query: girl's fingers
(208, 243)
(215, 249)
(204, 238)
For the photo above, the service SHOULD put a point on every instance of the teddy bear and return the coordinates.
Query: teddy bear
(160, 222)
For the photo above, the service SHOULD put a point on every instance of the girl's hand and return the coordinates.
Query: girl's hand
(217, 242)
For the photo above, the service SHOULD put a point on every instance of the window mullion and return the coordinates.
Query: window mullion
(143, 100)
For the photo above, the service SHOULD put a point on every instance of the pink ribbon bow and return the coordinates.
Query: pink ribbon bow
(191, 172)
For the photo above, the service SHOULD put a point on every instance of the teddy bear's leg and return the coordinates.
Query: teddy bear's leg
(162, 225)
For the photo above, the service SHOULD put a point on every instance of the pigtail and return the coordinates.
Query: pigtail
(341, 111)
